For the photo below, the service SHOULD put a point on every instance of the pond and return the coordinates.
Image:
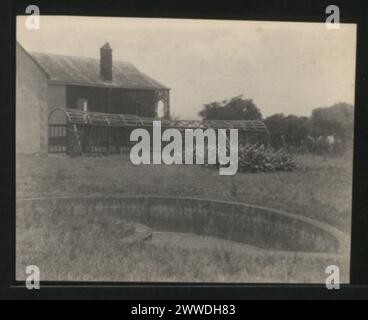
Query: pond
(256, 226)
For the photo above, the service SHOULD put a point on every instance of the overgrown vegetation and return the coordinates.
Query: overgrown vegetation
(258, 157)
(261, 158)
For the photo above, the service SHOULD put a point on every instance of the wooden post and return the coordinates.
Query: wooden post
(167, 105)
(109, 128)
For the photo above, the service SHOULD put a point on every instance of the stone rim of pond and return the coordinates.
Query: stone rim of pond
(341, 238)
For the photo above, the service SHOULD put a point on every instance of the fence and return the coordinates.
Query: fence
(57, 138)
(92, 132)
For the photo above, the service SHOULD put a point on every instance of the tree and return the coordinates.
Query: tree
(237, 108)
(292, 130)
(337, 120)
(276, 127)
(297, 129)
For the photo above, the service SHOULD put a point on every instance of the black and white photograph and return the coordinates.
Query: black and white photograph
(164, 150)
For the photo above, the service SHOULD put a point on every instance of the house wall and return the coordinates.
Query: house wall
(31, 105)
(56, 97)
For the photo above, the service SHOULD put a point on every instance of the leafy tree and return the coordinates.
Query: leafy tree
(337, 120)
(287, 129)
(297, 129)
(277, 129)
(236, 108)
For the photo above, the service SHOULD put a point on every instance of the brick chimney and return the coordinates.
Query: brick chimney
(106, 62)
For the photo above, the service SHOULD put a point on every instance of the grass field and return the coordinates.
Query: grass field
(320, 188)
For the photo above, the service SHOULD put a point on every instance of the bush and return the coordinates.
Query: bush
(259, 158)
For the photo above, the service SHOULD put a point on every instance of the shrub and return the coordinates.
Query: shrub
(259, 158)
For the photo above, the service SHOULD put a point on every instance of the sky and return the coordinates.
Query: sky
(284, 67)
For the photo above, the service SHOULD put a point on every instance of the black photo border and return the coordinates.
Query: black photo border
(277, 10)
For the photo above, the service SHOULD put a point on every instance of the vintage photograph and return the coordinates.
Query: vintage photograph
(182, 150)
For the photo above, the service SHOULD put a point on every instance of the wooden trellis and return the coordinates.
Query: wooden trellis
(95, 132)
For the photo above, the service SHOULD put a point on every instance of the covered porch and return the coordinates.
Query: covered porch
(115, 100)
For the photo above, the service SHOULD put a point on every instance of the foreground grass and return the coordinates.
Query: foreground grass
(88, 248)
(320, 188)
(145, 262)
(84, 247)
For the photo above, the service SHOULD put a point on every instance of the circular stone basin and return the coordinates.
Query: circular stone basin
(258, 226)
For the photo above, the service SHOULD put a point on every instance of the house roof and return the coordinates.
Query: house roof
(86, 71)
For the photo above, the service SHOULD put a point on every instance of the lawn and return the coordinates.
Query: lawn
(320, 188)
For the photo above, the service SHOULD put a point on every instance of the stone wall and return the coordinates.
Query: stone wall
(31, 105)
(262, 227)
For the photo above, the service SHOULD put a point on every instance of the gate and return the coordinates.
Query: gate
(57, 138)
